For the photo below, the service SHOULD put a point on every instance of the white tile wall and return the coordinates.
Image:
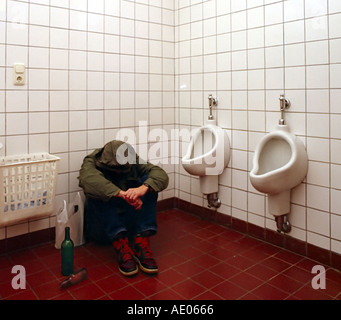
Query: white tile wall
(93, 67)
(96, 66)
(247, 53)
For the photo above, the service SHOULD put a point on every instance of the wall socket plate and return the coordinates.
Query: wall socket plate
(19, 74)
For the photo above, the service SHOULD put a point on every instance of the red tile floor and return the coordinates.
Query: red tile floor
(197, 260)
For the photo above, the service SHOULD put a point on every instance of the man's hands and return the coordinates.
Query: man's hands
(133, 196)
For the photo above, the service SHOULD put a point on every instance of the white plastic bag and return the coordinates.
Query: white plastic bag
(76, 220)
(71, 216)
(61, 222)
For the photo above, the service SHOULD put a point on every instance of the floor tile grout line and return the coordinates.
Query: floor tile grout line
(103, 260)
(278, 273)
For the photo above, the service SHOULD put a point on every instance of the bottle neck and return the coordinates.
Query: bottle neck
(67, 233)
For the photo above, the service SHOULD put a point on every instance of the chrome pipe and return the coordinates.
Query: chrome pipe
(212, 102)
(284, 104)
(213, 200)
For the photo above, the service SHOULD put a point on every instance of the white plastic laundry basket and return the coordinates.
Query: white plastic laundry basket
(28, 186)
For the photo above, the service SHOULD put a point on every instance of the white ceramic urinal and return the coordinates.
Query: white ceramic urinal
(207, 156)
(280, 163)
(208, 153)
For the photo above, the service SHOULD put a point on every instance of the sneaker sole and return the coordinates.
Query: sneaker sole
(145, 270)
(130, 273)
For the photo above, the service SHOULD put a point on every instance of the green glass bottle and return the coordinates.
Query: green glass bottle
(67, 253)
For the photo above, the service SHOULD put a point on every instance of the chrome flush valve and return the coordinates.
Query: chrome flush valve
(212, 102)
(284, 104)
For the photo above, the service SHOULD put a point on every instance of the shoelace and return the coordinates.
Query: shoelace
(123, 248)
(143, 243)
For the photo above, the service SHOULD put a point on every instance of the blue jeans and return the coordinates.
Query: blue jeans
(106, 220)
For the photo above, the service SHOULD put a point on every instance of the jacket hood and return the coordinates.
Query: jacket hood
(116, 156)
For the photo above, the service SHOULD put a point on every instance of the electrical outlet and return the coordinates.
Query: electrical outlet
(19, 74)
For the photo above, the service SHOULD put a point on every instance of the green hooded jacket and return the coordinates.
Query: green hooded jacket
(106, 171)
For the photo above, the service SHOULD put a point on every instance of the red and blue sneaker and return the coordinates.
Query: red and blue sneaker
(126, 262)
(143, 255)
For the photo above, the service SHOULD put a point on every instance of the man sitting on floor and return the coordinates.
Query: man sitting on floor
(121, 191)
